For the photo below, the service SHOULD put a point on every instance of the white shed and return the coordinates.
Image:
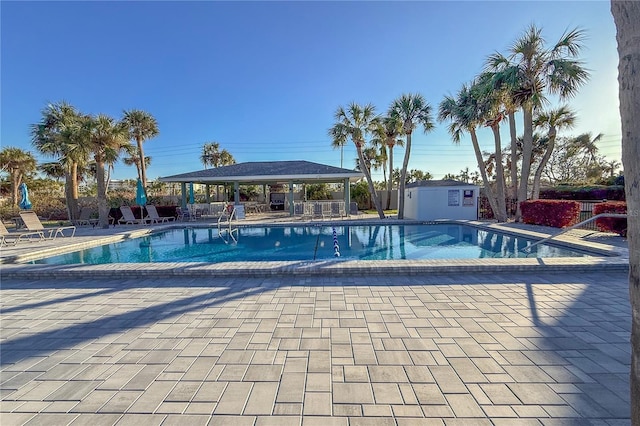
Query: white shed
(441, 199)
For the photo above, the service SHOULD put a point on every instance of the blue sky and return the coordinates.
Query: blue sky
(265, 78)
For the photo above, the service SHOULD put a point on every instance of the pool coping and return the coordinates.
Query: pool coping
(610, 258)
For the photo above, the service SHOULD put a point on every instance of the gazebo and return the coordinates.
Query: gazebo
(267, 173)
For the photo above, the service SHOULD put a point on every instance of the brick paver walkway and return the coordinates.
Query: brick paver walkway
(457, 350)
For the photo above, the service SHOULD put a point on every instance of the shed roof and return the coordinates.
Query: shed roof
(437, 183)
(268, 172)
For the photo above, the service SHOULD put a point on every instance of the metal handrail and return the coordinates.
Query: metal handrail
(229, 218)
(577, 225)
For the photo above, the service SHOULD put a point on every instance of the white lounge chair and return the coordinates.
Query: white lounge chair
(33, 224)
(85, 218)
(128, 218)
(14, 238)
(152, 214)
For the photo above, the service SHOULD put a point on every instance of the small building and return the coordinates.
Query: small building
(441, 199)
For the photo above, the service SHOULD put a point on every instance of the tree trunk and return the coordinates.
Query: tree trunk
(403, 177)
(626, 15)
(103, 208)
(15, 181)
(501, 214)
(514, 154)
(72, 182)
(390, 182)
(372, 189)
(535, 194)
(491, 196)
(527, 148)
(143, 166)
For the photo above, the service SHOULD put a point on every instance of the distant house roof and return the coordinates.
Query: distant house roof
(437, 183)
(273, 172)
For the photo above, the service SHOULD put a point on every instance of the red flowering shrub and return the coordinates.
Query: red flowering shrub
(556, 213)
(610, 224)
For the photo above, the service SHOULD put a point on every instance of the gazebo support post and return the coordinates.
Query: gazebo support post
(236, 192)
(183, 195)
(347, 197)
(290, 198)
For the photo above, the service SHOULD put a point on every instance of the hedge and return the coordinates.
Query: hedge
(594, 192)
(610, 224)
(556, 213)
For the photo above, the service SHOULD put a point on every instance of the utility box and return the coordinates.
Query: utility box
(441, 199)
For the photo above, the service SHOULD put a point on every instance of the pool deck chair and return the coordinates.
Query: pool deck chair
(85, 218)
(128, 218)
(14, 238)
(33, 224)
(152, 214)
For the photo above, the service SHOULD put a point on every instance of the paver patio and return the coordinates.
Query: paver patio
(503, 349)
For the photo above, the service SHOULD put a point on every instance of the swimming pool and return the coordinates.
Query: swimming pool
(312, 243)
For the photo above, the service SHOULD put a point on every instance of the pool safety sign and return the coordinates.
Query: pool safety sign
(454, 197)
(467, 200)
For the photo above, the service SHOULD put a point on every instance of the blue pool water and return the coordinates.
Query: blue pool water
(306, 243)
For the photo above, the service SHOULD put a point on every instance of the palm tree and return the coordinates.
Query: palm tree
(463, 112)
(387, 132)
(497, 65)
(492, 111)
(132, 158)
(612, 166)
(17, 163)
(413, 111)
(586, 143)
(532, 72)
(62, 134)
(561, 118)
(354, 123)
(626, 15)
(212, 156)
(142, 126)
(107, 138)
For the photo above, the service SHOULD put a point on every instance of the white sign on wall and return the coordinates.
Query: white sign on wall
(454, 197)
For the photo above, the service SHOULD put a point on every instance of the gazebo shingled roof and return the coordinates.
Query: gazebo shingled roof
(268, 172)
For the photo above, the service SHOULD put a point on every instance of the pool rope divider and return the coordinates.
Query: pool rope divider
(336, 246)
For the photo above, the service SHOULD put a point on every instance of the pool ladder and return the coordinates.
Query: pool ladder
(228, 229)
(527, 249)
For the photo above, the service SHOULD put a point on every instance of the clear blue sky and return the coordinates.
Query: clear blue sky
(265, 78)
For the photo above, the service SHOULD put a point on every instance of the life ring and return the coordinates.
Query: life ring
(230, 208)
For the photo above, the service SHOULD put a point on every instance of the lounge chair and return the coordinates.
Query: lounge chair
(33, 224)
(128, 218)
(85, 218)
(152, 214)
(16, 237)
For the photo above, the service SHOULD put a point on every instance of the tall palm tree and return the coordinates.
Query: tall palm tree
(355, 123)
(499, 67)
(532, 72)
(626, 15)
(17, 163)
(107, 138)
(492, 111)
(413, 110)
(62, 134)
(558, 119)
(463, 112)
(387, 132)
(142, 126)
